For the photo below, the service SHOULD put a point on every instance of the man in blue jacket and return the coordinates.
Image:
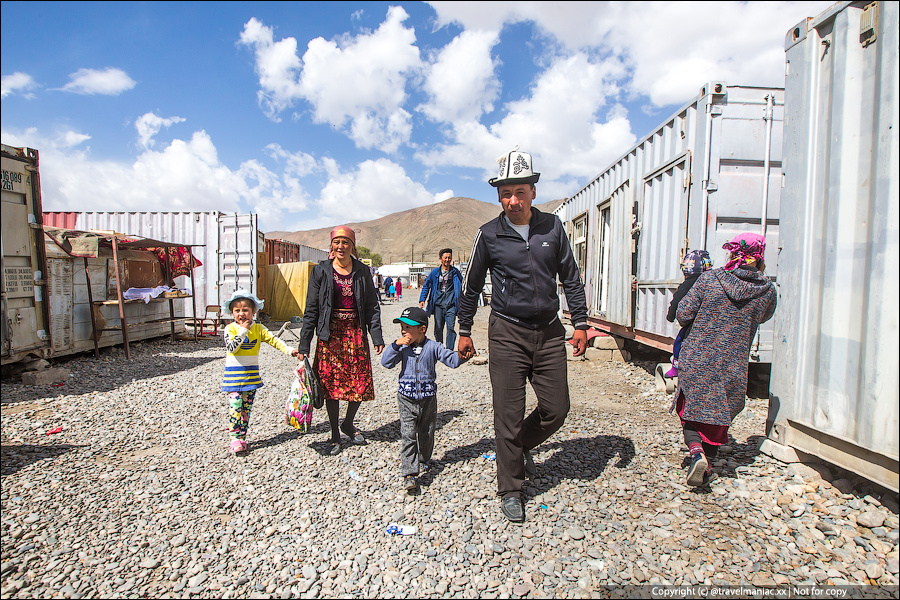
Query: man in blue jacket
(441, 293)
(526, 251)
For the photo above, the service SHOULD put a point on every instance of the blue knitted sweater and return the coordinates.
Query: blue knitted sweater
(417, 376)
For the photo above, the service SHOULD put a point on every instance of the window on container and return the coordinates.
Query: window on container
(601, 292)
(579, 242)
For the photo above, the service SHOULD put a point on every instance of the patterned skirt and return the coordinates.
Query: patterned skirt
(343, 362)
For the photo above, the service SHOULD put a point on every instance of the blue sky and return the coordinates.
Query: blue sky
(317, 113)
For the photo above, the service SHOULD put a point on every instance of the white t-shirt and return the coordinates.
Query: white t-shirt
(522, 230)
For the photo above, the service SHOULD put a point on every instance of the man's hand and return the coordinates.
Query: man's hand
(379, 349)
(580, 339)
(466, 347)
(422, 304)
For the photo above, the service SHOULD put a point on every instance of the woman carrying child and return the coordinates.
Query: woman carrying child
(417, 390)
(243, 339)
(726, 307)
(342, 309)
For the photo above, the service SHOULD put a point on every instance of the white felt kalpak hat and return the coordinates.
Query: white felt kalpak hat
(243, 295)
(515, 167)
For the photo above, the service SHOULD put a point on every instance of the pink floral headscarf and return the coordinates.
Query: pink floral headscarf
(744, 249)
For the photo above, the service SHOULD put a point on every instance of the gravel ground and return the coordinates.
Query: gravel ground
(139, 497)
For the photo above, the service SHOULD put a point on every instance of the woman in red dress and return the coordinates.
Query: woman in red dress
(342, 309)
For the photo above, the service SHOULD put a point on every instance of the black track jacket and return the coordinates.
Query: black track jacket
(523, 274)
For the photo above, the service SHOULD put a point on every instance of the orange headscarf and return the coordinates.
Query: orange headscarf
(345, 232)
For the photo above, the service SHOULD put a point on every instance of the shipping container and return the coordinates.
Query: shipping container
(231, 246)
(25, 314)
(834, 383)
(282, 251)
(709, 172)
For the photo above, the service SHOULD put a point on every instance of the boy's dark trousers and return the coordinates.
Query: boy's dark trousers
(418, 419)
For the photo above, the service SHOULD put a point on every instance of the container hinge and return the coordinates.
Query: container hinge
(868, 24)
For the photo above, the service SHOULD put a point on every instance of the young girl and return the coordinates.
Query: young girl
(242, 342)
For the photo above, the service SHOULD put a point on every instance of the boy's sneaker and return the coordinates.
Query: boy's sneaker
(409, 482)
(697, 471)
(530, 469)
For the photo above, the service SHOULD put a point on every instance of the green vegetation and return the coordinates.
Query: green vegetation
(366, 253)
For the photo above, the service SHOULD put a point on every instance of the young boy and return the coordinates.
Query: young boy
(243, 339)
(417, 390)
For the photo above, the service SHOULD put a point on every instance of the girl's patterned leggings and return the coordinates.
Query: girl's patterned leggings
(240, 404)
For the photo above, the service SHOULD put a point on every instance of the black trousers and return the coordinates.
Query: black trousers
(517, 354)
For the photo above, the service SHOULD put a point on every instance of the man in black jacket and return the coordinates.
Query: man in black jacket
(525, 250)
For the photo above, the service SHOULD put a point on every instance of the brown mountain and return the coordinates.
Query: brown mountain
(418, 233)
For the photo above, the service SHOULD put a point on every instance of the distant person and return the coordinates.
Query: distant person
(693, 264)
(342, 309)
(378, 281)
(526, 251)
(726, 307)
(388, 282)
(243, 339)
(441, 294)
(398, 285)
(417, 390)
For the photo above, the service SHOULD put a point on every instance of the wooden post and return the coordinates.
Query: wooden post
(193, 295)
(170, 281)
(94, 334)
(115, 246)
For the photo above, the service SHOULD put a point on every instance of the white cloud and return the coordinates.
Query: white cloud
(558, 124)
(184, 176)
(148, 125)
(108, 82)
(462, 83)
(356, 84)
(445, 195)
(277, 66)
(375, 189)
(18, 82)
(671, 48)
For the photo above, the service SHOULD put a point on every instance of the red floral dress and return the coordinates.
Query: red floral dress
(343, 362)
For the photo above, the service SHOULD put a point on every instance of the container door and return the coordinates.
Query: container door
(238, 243)
(662, 242)
(23, 329)
(611, 291)
(61, 285)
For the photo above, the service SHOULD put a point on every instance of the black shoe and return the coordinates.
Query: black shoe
(530, 469)
(513, 509)
(355, 436)
(697, 470)
(409, 482)
(334, 449)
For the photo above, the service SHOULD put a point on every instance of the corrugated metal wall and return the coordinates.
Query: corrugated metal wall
(694, 183)
(835, 381)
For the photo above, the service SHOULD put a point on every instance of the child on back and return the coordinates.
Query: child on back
(243, 339)
(693, 264)
(417, 390)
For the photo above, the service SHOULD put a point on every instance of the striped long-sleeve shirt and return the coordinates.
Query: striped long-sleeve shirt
(242, 359)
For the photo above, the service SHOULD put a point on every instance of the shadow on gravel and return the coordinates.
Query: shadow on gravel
(390, 432)
(578, 458)
(14, 457)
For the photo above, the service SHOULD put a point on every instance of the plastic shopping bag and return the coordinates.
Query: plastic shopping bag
(298, 408)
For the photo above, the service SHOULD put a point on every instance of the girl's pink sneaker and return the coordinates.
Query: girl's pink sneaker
(238, 446)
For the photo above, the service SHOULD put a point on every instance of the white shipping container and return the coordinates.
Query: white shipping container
(230, 242)
(834, 384)
(709, 172)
